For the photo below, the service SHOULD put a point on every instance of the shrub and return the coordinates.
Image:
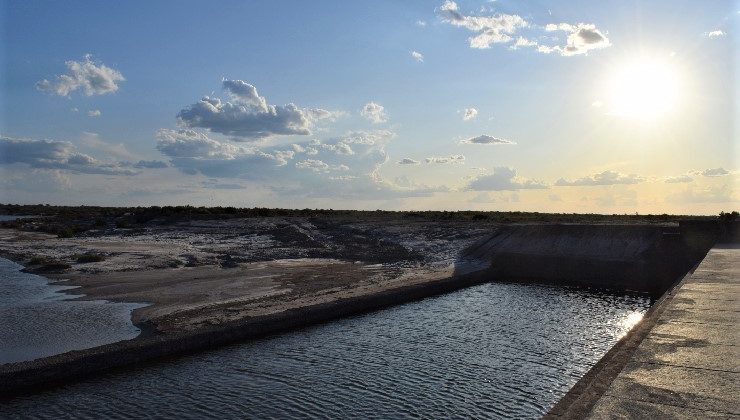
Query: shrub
(65, 232)
(38, 261)
(88, 257)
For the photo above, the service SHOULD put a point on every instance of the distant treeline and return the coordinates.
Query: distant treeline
(74, 220)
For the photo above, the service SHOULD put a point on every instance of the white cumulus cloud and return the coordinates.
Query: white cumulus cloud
(715, 34)
(93, 78)
(248, 116)
(374, 113)
(489, 29)
(603, 178)
(417, 56)
(504, 179)
(469, 114)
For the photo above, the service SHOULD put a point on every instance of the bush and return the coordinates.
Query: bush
(88, 257)
(38, 261)
(65, 233)
(54, 266)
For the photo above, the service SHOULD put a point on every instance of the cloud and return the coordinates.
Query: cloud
(489, 29)
(486, 139)
(498, 197)
(715, 34)
(678, 179)
(215, 184)
(29, 180)
(504, 179)
(313, 164)
(715, 172)
(603, 178)
(469, 114)
(248, 115)
(150, 164)
(417, 56)
(408, 161)
(374, 113)
(582, 38)
(194, 144)
(346, 166)
(446, 159)
(523, 42)
(93, 141)
(93, 113)
(694, 195)
(421, 23)
(504, 29)
(60, 155)
(92, 78)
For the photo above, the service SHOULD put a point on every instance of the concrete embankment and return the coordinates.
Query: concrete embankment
(682, 361)
(641, 258)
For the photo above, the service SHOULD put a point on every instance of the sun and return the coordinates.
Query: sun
(645, 88)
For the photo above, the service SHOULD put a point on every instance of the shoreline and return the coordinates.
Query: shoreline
(24, 377)
(203, 307)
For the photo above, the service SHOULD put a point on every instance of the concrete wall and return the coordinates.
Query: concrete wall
(642, 258)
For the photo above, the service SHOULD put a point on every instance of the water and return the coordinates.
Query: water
(490, 351)
(39, 320)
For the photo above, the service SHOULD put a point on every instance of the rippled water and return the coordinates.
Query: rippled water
(495, 350)
(38, 320)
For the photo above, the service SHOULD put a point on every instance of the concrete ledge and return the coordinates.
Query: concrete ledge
(17, 378)
(582, 397)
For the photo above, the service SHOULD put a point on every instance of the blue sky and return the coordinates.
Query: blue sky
(549, 105)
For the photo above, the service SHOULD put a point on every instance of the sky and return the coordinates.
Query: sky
(550, 106)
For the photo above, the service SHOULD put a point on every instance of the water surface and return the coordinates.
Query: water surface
(490, 351)
(38, 320)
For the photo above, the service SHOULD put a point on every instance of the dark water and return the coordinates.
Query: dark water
(490, 351)
(37, 319)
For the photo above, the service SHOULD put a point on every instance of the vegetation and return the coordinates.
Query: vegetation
(65, 221)
(88, 257)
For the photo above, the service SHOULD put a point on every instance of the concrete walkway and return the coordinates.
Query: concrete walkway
(688, 365)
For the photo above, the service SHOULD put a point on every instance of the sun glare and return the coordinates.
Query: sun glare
(644, 89)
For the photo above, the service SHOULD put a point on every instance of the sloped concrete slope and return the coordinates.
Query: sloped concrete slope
(625, 257)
